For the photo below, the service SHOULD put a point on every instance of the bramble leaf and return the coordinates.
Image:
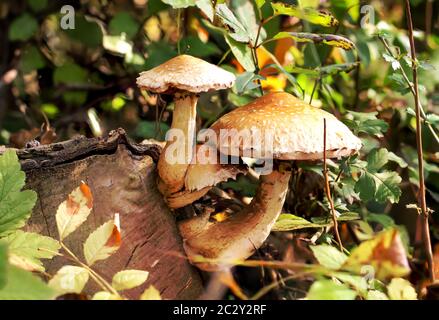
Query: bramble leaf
(15, 205)
(26, 249)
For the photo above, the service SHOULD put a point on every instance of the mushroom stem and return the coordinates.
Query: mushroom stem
(172, 173)
(234, 240)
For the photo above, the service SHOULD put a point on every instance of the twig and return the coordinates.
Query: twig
(328, 190)
(99, 280)
(254, 48)
(422, 200)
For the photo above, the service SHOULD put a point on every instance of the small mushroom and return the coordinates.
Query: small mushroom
(296, 132)
(184, 77)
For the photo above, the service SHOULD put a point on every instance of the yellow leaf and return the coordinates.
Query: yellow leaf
(104, 295)
(69, 279)
(401, 289)
(102, 242)
(151, 294)
(385, 255)
(128, 279)
(74, 211)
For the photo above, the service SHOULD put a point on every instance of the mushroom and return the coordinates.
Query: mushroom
(184, 77)
(295, 133)
(200, 177)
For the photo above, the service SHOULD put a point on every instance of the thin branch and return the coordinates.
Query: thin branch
(328, 191)
(422, 200)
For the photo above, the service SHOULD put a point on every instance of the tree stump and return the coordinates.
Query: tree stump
(122, 178)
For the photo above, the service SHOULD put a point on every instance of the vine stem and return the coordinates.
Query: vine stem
(328, 191)
(422, 199)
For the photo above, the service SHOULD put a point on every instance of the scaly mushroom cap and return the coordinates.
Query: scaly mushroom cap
(185, 73)
(297, 129)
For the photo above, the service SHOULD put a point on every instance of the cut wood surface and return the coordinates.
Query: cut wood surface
(122, 178)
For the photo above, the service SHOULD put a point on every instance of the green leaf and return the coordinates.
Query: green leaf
(310, 14)
(401, 289)
(74, 210)
(289, 222)
(400, 161)
(206, 6)
(328, 39)
(328, 256)
(379, 186)
(71, 74)
(86, 31)
(26, 249)
(385, 255)
(123, 22)
(15, 205)
(23, 285)
(237, 31)
(23, 28)
(69, 279)
(245, 14)
(260, 3)
(387, 187)
(329, 290)
(376, 159)
(3, 263)
(179, 4)
(359, 283)
(151, 293)
(242, 53)
(102, 243)
(376, 295)
(366, 186)
(37, 5)
(32, 60)
(367, 123)
(246, 81)
(128, 279)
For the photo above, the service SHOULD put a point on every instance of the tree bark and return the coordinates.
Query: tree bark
(122, 177)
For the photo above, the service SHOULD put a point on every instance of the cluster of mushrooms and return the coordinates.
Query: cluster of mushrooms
(296, 133)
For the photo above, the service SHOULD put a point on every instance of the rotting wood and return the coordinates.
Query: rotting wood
(122, 177)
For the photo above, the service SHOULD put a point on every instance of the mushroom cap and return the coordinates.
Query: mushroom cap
(199, 175)
(185, 73)
(295, 128)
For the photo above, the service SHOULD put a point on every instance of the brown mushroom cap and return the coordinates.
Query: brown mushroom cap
(185, 73)
(297, 129)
